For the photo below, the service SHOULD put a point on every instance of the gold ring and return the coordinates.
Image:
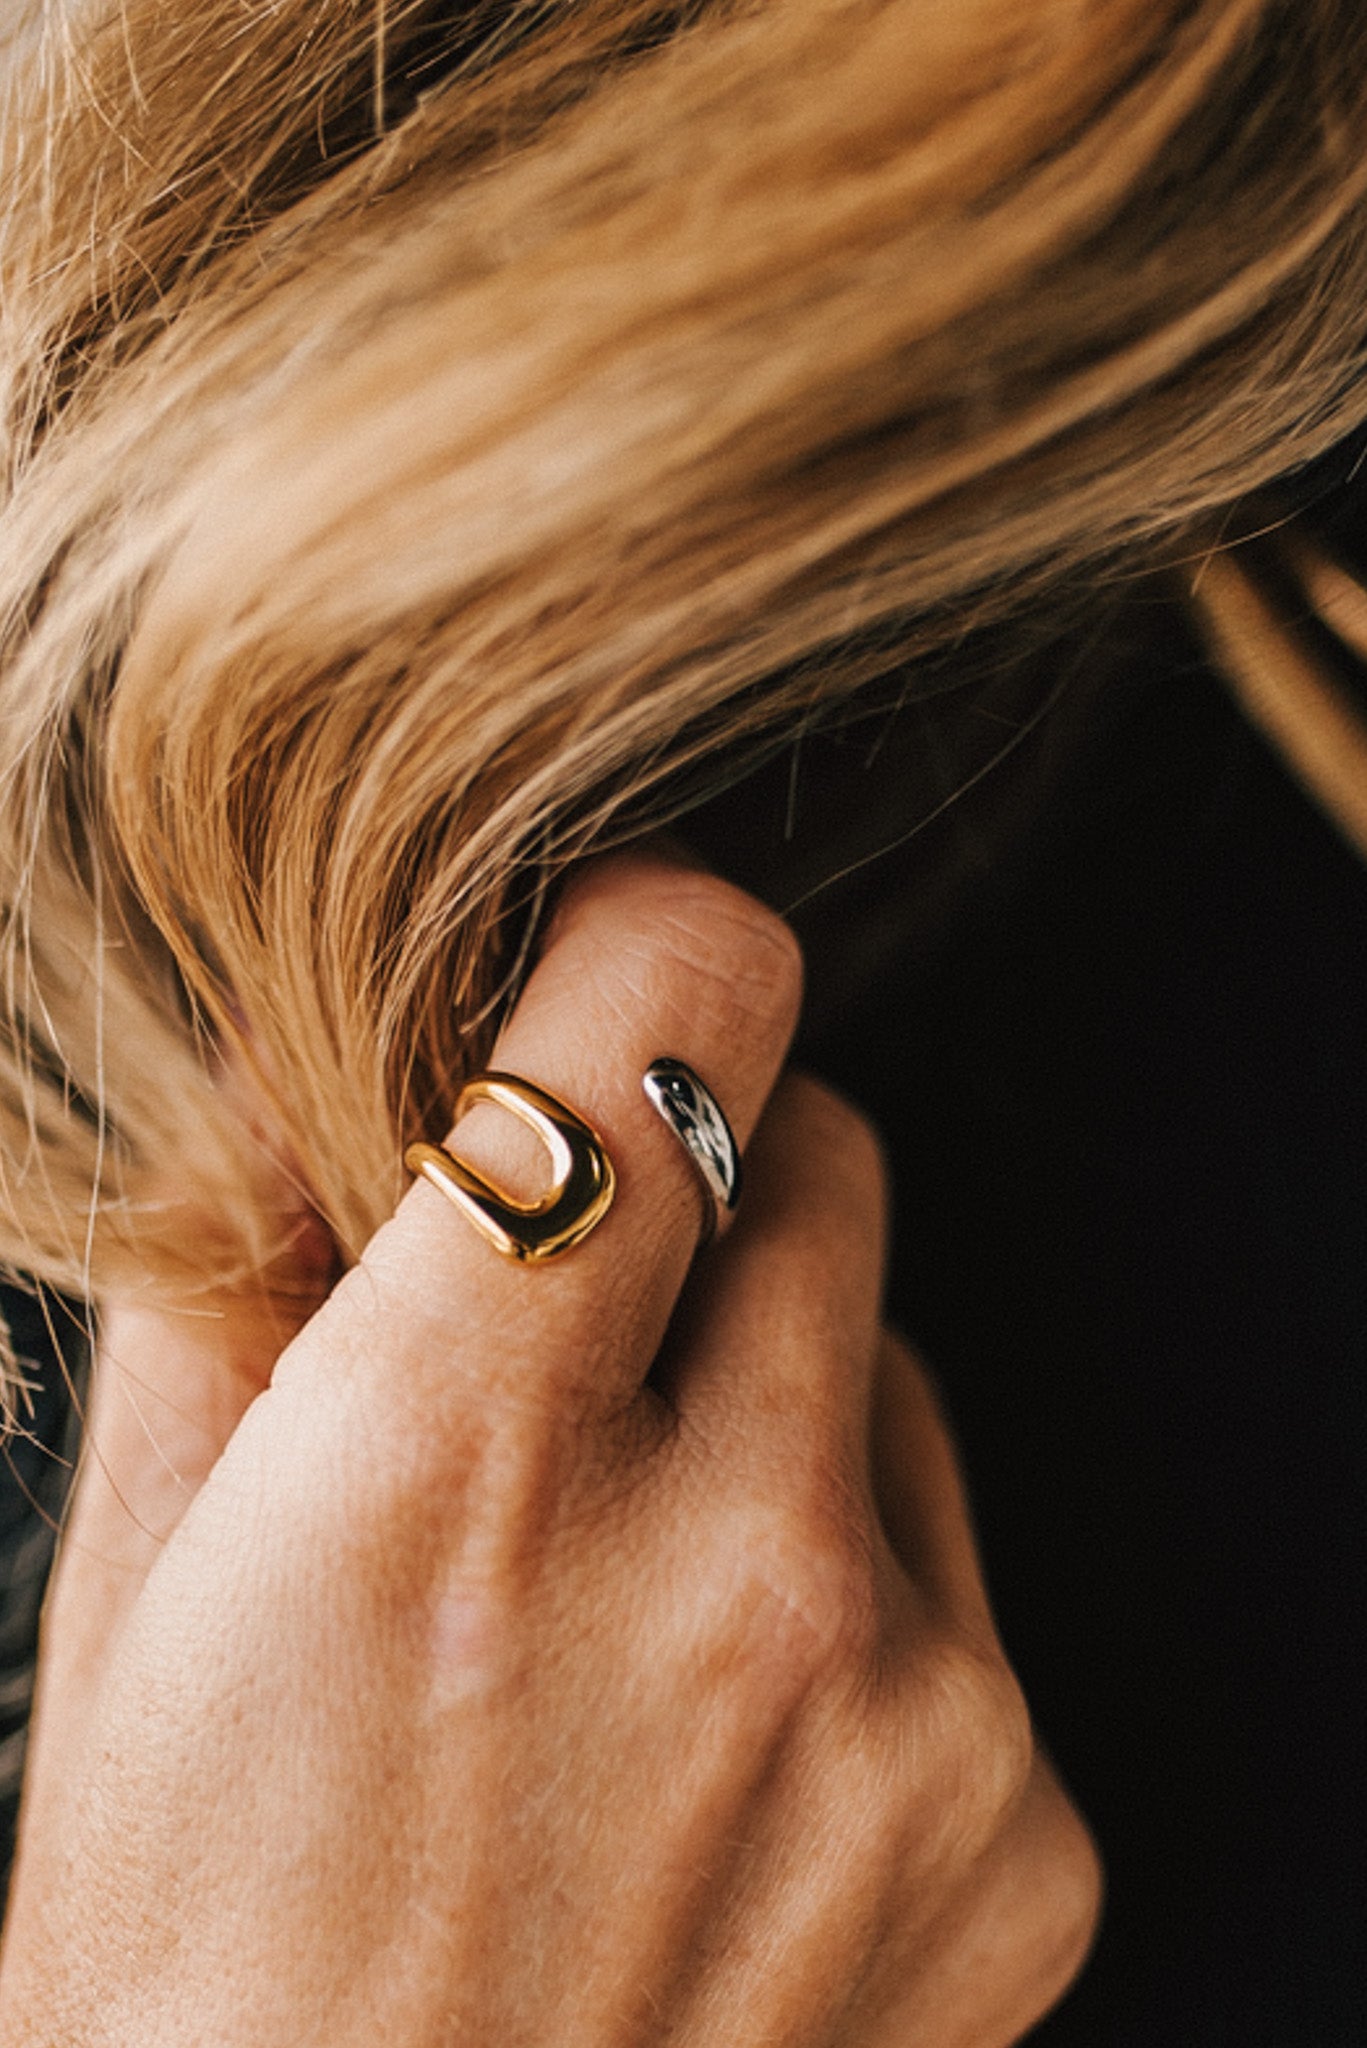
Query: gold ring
(582, 1180)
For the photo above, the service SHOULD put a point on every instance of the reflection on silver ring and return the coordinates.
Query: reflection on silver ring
(695, 1117)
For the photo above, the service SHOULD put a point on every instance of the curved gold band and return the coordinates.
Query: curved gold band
(582, 1180)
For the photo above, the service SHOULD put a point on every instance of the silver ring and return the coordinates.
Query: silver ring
(695, 1116)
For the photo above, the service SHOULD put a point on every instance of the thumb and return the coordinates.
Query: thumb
(173, 1377)
(169, 1385)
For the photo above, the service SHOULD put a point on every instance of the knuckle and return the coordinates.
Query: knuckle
(797, 1602)
(1076, 1886)
(1027, 1914)
(851, 1147)
(676, 929)
(395, 1475)
(744, 951)
(1058, 1876)
(973, 1714)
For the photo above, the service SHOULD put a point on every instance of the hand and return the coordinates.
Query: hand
(536, 1660)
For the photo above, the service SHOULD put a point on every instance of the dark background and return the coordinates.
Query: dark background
(1125, 1099)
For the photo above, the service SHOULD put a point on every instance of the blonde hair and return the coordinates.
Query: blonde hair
(426, 435)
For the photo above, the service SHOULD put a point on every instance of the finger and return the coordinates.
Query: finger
(645, 959)
(919, 1491)
(170, 1382)
(172, 1376)
(776, 1354)
(1007, 1947)
(169, 1387)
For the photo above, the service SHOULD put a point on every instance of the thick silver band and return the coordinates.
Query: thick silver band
(694, 1115)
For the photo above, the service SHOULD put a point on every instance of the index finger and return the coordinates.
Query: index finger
(645, 959)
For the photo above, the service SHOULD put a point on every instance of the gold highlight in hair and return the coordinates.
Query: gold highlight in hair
(407, 476)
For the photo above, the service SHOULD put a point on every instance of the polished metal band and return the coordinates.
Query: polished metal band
(695, 1116)
(582, 1180)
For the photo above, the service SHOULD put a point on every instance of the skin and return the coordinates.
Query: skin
(571, 1655)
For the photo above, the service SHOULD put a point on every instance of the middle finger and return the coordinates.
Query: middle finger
(645, 959)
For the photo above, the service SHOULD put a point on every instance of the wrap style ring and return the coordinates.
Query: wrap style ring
(582, 1180)
(695, 1116)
